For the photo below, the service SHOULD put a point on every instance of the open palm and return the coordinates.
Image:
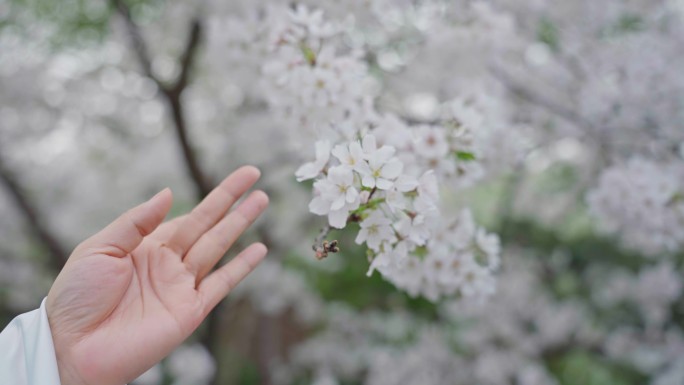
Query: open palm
(134, 291)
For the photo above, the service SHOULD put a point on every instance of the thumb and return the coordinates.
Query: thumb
(126, 232)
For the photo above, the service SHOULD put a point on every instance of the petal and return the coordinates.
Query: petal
(348, 176)
(354, 204)
(363, 168)
(368, 181)
(336, 175)
(343, 175)
(395, 201)
(306, 171)
(380, 261)
(361, 237)
(319, 206)
(351, 195)
(383, 184)
(374, 242)
(356, 151)
(363, 196)
(385, 152)
(406, 183)
(428, 185)
(338, 219)
(338, 203)
(369, 145)
(392, 169)
(326, 189)
(322, 151)
(341, 153)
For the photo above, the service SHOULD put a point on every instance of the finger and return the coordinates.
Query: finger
(217, 285)
(164, 232)
(126, 232)
(209, 249)
(212, 208)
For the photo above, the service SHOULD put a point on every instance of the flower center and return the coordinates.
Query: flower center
(373, 230)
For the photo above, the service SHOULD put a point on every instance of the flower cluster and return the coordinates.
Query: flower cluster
(643, 201)
(399, 219)
(362, 173)
(458, 258)
(449, 147)
(378, 171)
(306, 81)
(652, 291)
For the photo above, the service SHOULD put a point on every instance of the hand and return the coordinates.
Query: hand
(131, 293)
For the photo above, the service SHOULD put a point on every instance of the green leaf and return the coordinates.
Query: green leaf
(465, 156)
(630, 23)
(548, 33)
(371, 205)
(309, 54)
(676, 198)
(584, 368)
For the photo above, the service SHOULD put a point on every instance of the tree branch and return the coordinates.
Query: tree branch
(202, 183)
(267, 343)
(40, 231)
(188, 56)
(137, 41)
(172, 93)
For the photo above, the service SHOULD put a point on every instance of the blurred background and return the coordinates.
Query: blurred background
(579, 170)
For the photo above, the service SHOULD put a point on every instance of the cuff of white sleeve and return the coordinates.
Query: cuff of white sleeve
(27, 353)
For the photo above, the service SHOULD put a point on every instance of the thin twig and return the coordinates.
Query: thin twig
(509, 197)
(33, 217)
(321, 237)
(322, 247)
(542, 101)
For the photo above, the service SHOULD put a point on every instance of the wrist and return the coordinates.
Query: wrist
(67, 374)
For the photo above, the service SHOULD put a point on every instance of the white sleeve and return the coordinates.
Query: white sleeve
(27, 354)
